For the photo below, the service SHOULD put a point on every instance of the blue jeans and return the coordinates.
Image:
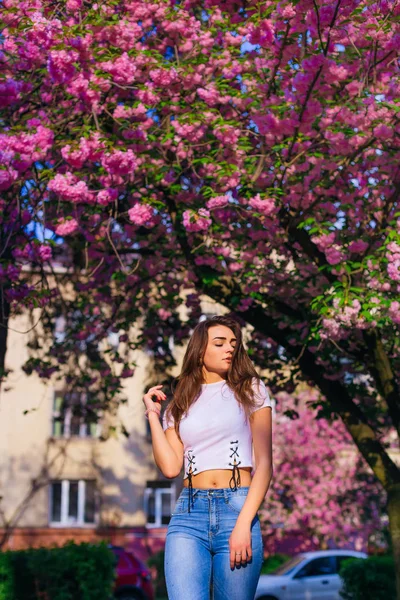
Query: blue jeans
(197, 556)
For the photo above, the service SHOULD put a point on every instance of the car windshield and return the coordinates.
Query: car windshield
(288, 566)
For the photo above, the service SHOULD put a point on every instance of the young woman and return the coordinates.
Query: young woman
(220, 411)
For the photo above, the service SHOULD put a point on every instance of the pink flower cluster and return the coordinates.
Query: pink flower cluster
(18, 152)
(191, 132)
(123, 69)
(358, 246)
(394, 312)
(227, 135)
(141, 214)
(119, 162)
(266, 207)
(45, 252)
(316, 489)
(217, 202)
(164, 77)
(60, 65)
(199, 221)
(88, 149)
(9, 91)
(69, 188)
(262, 34)
(107, 196)
(393, 257)
(325, 243)
(66, 227)
(342, 320)
(211, 95)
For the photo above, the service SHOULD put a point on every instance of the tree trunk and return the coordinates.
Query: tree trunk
(4, 316)
(393, 508)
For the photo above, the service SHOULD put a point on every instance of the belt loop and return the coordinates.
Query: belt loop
(226, 495)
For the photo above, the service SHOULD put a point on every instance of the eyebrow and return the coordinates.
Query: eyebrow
(224, 338)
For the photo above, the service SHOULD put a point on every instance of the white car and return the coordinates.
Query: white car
(306, 576)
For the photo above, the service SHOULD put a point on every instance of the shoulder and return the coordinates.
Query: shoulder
(261, 394)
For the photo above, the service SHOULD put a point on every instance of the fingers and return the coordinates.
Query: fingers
(238, 557)
(155, 391)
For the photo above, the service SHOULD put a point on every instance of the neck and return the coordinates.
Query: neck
(211, 377)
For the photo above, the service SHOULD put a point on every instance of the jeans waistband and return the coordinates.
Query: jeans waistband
(215, 492)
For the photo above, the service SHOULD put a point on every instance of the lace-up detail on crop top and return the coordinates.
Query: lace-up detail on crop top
(214, 432)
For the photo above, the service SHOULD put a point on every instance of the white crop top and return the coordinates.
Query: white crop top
(214, 432)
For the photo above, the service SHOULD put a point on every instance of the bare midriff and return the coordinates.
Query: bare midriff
(218, 478)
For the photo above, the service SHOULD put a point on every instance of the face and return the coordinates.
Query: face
(219, 351)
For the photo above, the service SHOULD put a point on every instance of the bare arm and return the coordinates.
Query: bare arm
(261, 426)
(167, 449)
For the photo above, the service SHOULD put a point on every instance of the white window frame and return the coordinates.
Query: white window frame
(83, 427)
(65, 520)
(171, 491)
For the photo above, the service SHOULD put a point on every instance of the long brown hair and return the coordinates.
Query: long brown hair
(187, 385)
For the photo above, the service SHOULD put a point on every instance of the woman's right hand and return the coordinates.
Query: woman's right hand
(158, 393)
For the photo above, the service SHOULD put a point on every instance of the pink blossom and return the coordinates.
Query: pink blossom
(263, 34)
(45, 252)
(353, 88)
(7, 178)
(234, 267)
(119, 162)
(217, 202)
(244, 304)
(66, 227)
(358, 246)
(288, 11)
(141, 214)
(265, 207)
(383, 132)
(203, 259)
(394, 312)
(164, 314)
(223, 251)
(107, 196)
(60, 65)
(76, 158)
(393, 270)
(210, 95)
(9, 91)
(74, 5)
(164, 77)
(334, 255)
(69, 188)
(336, 73)
(197, 221)
(123, 69)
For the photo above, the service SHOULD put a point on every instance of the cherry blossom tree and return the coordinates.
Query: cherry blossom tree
(244, 150)
(321, 487)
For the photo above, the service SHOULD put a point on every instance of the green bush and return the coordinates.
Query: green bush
(273, 562)
(372, 578)
(71, 572)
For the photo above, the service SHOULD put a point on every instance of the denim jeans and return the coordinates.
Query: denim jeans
(197, 557)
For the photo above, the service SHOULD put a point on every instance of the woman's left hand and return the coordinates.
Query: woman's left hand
(240, 542)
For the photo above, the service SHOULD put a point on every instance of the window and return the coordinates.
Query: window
(159, 500)
(72, 503)
(60, 323)
(324, 565)
(67, 420)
